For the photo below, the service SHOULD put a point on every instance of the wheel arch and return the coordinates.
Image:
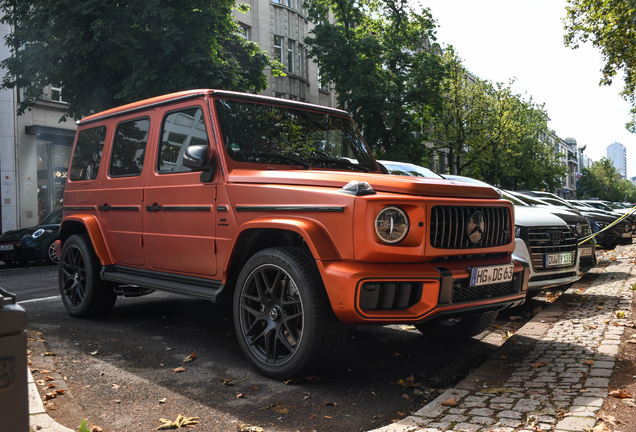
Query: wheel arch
(257, 235)
(86, 224)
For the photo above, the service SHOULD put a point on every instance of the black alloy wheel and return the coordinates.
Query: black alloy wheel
(271, 315)
(51, 254)
(83, 292)
(282, 315)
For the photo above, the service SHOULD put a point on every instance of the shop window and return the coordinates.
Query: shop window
(129, 148)
(180, 130)
(88, 154)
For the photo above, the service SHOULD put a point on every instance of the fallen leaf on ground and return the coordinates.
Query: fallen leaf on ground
(601, 427)
(620, 314)
(450, 402)
(40, 382)
(190, 357)
(50, 378)
(48, 354)
(594, 326)
(632, 341)
(514, 318)
(60, 391)
(94, 353)
(608, 418)
(283, 409)
(224, 381)
(589, 362)
(241, 395)
(620, 393)
(162, 400)
(408, 383)
(253, 388)
(44, 371)
(331, 403)
(179, 369)
(117, 401)
(51, 386)
(407, 397)
(249, 428)
(178, 423)
(50, 395)
(536, 365)
(115, 386)
(96, 429)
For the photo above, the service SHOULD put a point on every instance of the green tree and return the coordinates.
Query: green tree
(379, 58)
(106, 53)
(609, 25)
(603, 181)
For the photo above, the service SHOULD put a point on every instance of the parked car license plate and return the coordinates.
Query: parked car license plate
(6, 247)
(491, 274)
(587, 251)
(627, 234)
(560, 259)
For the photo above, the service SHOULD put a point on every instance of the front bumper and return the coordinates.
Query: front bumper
(18, 253)
(545, 278)
(442, 286)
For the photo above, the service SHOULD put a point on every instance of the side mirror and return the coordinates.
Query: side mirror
(195, 156)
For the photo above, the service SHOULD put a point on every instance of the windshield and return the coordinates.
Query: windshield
(513, 199)
(526, 199)
(397, 168)
(52, 218)
(275, 135)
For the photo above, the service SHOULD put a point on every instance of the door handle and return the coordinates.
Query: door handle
(105, 208)
(153, 208)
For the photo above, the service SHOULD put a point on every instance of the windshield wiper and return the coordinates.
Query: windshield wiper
(342, 162)
(295, 161)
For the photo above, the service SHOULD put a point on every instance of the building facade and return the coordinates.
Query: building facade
(617, 153)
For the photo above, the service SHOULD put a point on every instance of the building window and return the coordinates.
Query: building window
(278, 48)
(291, 47)
(276, 1)
(289, 3)
(244, 31)
(56, 94)
(322, 82)
(301, 60)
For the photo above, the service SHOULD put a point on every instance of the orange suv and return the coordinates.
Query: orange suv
(279, 208)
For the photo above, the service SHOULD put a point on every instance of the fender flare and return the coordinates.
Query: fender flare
(91, 224)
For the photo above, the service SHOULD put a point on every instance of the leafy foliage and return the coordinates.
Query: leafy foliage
(379, 58)
(609, 25)
(110, 52)
(491, 133)
(603, 181)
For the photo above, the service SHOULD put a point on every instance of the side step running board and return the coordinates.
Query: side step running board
(196, 287)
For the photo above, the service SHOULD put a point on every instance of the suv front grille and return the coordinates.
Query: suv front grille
(547, 240)
(462, 291)
(449, 227)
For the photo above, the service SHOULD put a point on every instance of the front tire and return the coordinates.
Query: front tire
(458, 328)
(83, 292)
(282, 316)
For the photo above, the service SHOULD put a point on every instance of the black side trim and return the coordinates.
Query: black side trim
(186, 208)
(290, 209)
(208, 289)
(153, 208)
(142, 108)
(124, 208)
(104, 208)
(78, 208)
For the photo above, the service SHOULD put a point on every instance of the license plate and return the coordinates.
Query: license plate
(491, 274)
(627, 234)
(560, 259)
(586, 251)
(6, 247)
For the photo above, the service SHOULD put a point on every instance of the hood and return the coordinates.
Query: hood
(379, 182)
(531, 217)
(15, 236)
(570, 217)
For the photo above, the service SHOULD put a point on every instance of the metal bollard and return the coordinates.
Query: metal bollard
(14, 399)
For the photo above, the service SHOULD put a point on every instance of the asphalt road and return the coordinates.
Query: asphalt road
(120, 367)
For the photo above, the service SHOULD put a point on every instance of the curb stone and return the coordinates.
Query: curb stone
(39, 420)
(565, 391)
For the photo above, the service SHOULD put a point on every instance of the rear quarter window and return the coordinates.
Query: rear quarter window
(88, 154)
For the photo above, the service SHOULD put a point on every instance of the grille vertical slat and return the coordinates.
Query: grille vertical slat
(449, 224)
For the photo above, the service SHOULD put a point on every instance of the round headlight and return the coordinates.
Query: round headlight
(579, 229)
(392, 224)
(38, 233)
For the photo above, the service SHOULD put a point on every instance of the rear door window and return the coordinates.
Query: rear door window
(129, 148)
(88, 154)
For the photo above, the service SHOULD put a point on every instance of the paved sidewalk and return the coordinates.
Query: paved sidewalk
(568, 353)
(561, 383)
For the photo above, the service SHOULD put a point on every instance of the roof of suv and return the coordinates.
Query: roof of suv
(192, 94)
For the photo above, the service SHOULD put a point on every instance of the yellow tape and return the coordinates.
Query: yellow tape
(609, 226)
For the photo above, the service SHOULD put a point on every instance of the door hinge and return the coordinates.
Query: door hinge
(214, 193)
(141, 240)
(142, 195)
(214, 242)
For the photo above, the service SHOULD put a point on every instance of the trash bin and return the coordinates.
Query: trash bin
(14, 397)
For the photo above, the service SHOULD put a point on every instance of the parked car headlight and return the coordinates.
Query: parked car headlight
(517, 232)
(392, 224)
(594, 226)
(577, 229)
(37, 234)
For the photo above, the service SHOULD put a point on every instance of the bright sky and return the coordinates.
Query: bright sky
(503, 39)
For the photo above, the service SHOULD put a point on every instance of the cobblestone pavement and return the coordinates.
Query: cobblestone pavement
(563, 380)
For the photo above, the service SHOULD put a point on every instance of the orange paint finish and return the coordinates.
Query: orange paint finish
(343, 281)
(94, 231)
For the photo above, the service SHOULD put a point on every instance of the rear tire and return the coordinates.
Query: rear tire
(458, 328)
(83, 292)
(282, 315)
(51, 256)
